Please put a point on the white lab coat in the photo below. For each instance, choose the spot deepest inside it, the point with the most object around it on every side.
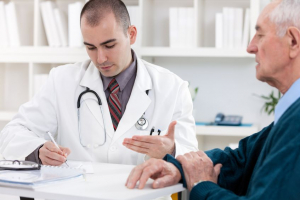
(54, 109)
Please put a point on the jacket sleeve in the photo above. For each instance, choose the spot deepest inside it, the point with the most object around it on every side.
(25, 132)
(34, 156)
(277, 178)
(238, 164)
(185, 132)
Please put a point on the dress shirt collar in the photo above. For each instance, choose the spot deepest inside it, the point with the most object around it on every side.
(124, 76)
(287, 100)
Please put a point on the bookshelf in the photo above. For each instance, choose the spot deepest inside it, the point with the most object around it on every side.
(19, 64)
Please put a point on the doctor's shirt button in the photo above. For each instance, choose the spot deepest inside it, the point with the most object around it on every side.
(89, 146)
(113, 148)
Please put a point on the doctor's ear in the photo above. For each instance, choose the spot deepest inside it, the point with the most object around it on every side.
(132, 33)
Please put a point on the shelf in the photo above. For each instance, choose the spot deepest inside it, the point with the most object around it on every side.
(240, 131)
(69, 55)
(7, 116)
(193, 52)
(42, 55)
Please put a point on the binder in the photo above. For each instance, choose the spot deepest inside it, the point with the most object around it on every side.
(47, 175)
(18, 165)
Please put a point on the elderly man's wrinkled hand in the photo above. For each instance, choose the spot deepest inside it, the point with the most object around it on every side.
(197, 166)
(163, 173)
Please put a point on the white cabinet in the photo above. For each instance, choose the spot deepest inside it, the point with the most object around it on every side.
(19, 65)
(210, 137)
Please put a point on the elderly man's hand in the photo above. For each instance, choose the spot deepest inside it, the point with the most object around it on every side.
(163, 173)
(197, 166)
(153, 146)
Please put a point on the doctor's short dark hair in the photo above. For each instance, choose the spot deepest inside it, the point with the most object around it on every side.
(95, 10)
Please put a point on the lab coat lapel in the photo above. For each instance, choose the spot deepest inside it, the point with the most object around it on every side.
(138, 102)
(92, 80)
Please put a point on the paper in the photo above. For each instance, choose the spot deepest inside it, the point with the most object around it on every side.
(36, 178)
(87, 167)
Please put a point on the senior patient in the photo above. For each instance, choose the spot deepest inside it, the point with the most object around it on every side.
(266, 164)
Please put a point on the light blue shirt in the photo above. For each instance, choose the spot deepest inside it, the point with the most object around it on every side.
(287, 100)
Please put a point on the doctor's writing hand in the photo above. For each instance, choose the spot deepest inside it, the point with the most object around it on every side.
(153, 146)
(163, 173)
(51, 155)
(197, 166)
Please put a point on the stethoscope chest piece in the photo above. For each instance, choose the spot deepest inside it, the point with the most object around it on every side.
(142, 124)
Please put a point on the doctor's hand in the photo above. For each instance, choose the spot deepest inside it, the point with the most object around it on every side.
(163, 173)
(153, 146)
(197, 166)
(51, 155)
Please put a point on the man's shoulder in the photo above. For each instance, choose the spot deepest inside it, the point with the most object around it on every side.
(72, 67)
(292, 114)
(69, 72)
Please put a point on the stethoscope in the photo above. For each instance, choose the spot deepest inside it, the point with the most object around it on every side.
(141, 124)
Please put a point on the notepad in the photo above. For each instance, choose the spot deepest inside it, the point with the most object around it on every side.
(87, 167)
(37, 178)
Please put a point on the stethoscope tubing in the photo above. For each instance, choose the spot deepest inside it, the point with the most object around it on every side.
(138, 125)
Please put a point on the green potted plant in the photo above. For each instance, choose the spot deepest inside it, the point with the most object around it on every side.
(271, 102)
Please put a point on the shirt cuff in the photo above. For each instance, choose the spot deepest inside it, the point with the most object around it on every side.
(34, 156)
(169, 158)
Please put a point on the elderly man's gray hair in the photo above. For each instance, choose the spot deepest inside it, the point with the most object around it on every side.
(285, 15)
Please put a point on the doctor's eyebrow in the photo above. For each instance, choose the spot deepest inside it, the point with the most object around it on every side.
(103, 43)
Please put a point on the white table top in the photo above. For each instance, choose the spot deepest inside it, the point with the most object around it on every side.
(107, 183)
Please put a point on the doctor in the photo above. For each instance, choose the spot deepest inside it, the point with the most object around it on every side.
(129, 90)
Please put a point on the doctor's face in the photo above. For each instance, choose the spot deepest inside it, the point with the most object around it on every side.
(107, 45)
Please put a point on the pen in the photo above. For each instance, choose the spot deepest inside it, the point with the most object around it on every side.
(52, 139)
(152, 130)
(158, 131)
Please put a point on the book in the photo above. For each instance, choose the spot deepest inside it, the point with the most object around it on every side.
(48, 8)
(135, 20)
(38, 82)
(190, 28)
(47, 25)
(62, 26)
(219, 30)
(12, 24)
(182, 26)
(246, 31)
(4, 40)
(173, 27)
(33, 179)
(238, 28)
(75, 37)
(225, 26)
(231, 28)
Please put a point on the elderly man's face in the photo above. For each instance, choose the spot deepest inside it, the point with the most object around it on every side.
(271, 51)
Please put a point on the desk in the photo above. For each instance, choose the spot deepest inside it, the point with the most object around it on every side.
(107, 183)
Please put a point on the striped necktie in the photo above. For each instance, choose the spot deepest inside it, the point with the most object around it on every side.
(114, 104)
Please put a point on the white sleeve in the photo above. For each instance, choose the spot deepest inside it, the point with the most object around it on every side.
(25, 132)
(185, 129)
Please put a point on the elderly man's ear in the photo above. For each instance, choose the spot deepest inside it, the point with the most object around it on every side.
(293, 34)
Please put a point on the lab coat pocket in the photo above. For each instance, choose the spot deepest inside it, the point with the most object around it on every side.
(91, 128)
